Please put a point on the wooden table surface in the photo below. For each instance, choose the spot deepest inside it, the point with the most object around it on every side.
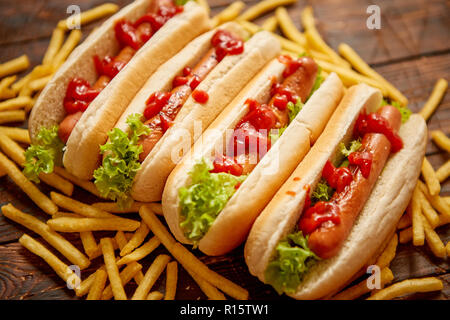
(411, 50)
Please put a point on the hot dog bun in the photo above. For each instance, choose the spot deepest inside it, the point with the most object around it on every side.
(231, 226)
(387, 201)
(222, 84)
(81, 156)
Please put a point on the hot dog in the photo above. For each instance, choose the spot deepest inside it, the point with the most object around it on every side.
(334, 211)
(194, 86)
(215, 193)
(94, 86)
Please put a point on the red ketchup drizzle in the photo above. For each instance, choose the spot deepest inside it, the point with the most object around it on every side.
(227, 165)
(291, 65)
(78, 95)
(320, 213)
(200, 96)
(363, 160)
(337, 178)
(226, 44)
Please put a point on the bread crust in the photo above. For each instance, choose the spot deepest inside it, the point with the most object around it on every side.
(81, 157)
(48, 109)
(387, 201)
(234, 221)
(222, 84)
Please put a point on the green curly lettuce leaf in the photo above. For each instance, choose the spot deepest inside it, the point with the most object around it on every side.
(204, 198)
(354, 146)
(114, 177)
(404, 110)
(322, 192)
(292, 260)
(318, 82)
(43, 155)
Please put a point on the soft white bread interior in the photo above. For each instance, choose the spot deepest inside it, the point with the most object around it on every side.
(234, 221)
(387, 202)
(82, 157)
(48, 109)
(222, 84)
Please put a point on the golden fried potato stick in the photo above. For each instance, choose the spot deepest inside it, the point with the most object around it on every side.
(435, 98)
(406, 220)
(408, 286)
(263, 7)
(441, 140)
(389, 253)
(141, 252)
(81, 208)
(434, 242)
(443, 172)
(85, 184)
(40, 199)
(57, 241)
(205, 5)
(89, 244)
(122, 240)
(126, 275)
(155, 295)
(171, 280)
(361, 288)
(112, 269)
(17, 134)
(88, 16)
(288, 27)
(359, 64)
(270, 24)
(417, 224)
(114, 208)
(436, 201)
(150, 277)
(14, 66)
(39, 84)
(208, 289)
(429, 175)
(10, 116)
(55, 44)
(405, 235)
(136, 240)
(228, 14)
(98, 285)
(92, 224)
(427, 210)
(16, 103)
(187, 259)
(71, 42)
(61, 269)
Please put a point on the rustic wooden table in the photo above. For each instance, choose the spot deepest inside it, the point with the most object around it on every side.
(412, 50)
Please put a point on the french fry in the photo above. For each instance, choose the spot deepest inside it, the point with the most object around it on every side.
(350, 77)
(361, 288)
(54, 239)
(56, 42)
(37, 72)
(187, 259)
(92, 224)
(12, 116)
(270, 24)
(15, 103)
(122, 240)
(443, 172)
(406, 220)
(14, 66)
(141, 252)
(435, 98)
(263, 7)
(433, 240)
(79, 207)
(307, 18)
(389, 253)
(97, 253)
(61, 269)
(436, 201)
(70, 43)
(229, 13)
(429, 175)
(39, 84)
(114, 208)
(136, 240)
(155, 295)
(150, 277)
(16, 134)
(447, 249)
(125, 275)
(408, 286)
(171, 280)
(41, 200)
(85, 184)
(288, 27)
(88, 16)
(16, 153)
(85, 285)
(7, 93)
(417, 224)
(88, 241)
(112, 269)
(441, 140)
(98, 285)
(208, 289)
(359, 64)
(405, 235)
(427, 210)
(65, 215)
(6, 82)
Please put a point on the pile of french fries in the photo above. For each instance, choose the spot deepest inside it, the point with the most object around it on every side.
(135, 240)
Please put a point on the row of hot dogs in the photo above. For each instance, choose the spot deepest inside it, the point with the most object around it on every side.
(239, 142)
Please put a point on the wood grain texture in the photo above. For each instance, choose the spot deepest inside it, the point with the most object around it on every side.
(411, 50)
